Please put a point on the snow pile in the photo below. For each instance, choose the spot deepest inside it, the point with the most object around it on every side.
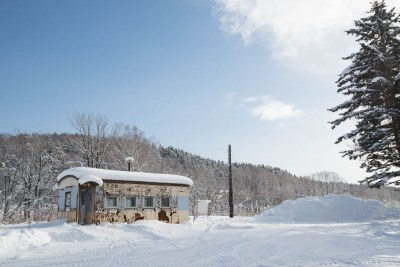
(208, 241)
(18, 240)
(329, 209)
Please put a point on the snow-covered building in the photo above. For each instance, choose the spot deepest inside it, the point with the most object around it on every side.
(88, 195)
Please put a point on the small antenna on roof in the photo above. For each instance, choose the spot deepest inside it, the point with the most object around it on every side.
(129, 160)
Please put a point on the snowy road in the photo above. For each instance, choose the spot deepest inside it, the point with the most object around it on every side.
(207, 242)
(211, 241)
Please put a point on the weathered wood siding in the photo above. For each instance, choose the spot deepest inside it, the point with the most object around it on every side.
(69, 216)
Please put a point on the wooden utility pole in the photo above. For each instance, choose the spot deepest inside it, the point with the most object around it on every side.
(230, 183)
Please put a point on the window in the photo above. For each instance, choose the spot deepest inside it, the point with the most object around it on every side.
(130, 202)
(111, 202)
(83, 197)
(165, 202)
(148, 202)
(67, 200)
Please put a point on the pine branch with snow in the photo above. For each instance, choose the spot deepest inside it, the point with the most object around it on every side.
(372, 84)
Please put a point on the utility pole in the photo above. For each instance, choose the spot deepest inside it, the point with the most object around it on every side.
(230, 182)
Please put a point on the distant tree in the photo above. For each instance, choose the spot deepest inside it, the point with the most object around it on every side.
(129, 141)
(372, 83)
(93, 131)
(28, 166)
(37, 166)
(9, 183)
(329, 179)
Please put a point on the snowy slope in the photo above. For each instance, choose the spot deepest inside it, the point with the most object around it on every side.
(211, 241)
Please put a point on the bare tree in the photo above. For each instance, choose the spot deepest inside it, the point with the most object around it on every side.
(93, 130)
(38, 164)
(328, 178)
(131, 142)
(28, 166)
(8, 191)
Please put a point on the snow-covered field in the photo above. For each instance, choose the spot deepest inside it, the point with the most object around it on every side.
(330, 231)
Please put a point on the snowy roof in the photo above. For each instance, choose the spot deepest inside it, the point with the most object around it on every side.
(102, 174)
(90, 178)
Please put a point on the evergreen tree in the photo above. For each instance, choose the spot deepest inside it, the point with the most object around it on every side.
(372, 82)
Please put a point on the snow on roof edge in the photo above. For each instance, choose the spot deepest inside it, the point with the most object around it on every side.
(104, 174)
(90, 178)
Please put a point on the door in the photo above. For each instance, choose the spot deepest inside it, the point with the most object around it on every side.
(87, 204)
(82, 206)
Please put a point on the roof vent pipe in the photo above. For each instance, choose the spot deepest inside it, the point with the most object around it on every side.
(129, 160)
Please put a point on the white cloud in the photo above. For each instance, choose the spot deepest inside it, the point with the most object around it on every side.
(269, 109)
(307, 34)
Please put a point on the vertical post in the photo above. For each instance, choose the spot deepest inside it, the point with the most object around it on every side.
(5, 190)
(230, 183)
(7, 187)
(5, 199)
(129, 160)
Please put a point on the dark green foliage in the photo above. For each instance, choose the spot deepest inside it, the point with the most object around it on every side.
(372, 83)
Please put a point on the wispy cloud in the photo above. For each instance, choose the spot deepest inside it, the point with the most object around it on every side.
(269, 109)
(307, 34)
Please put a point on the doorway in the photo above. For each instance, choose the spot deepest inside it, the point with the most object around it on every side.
(87, 204)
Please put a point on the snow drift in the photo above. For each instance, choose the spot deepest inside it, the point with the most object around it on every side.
(329, 209)
(18, 240)
(219, 240)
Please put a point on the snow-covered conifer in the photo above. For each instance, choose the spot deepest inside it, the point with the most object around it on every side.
(372, 83)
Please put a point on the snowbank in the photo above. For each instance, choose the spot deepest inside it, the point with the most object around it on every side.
(18, 240)
(329, 209)
(209, 241)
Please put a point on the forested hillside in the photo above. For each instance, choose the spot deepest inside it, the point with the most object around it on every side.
(31, 162)
(258, 187)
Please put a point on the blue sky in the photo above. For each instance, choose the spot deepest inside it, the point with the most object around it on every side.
(197, 75)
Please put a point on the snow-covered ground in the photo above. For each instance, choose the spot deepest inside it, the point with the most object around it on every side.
(330, 231)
